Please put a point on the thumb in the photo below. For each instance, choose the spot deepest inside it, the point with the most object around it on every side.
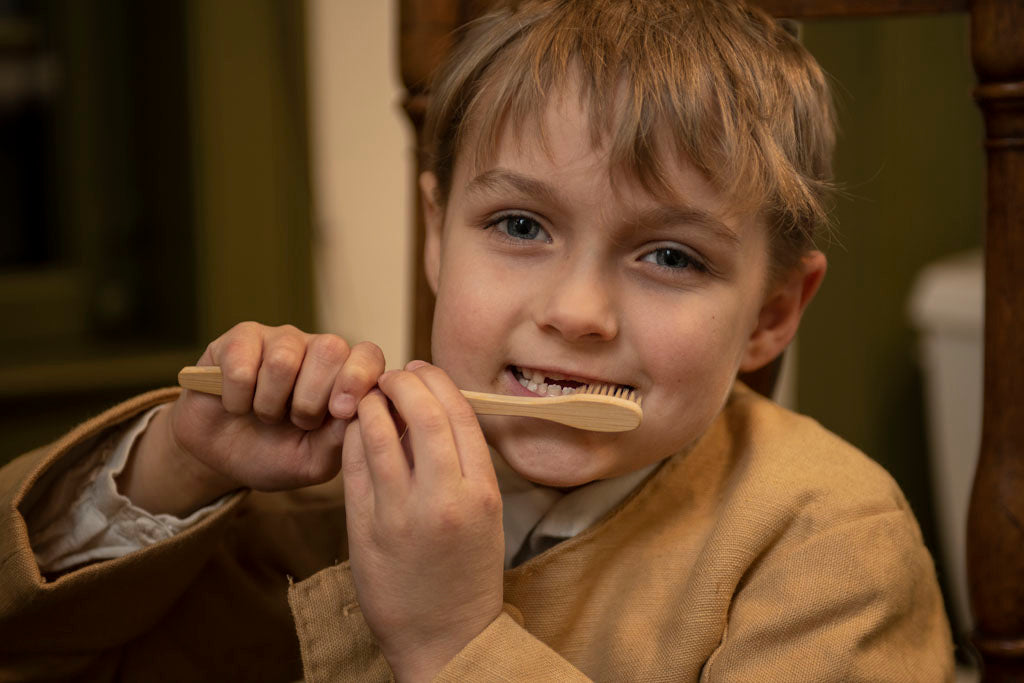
(334, 431)
(325, 444)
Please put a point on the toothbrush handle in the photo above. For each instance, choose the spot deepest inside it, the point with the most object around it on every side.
(203, 378)
(584, 411)
(209, 380)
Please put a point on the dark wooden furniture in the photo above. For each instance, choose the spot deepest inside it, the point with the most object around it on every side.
(996, 521)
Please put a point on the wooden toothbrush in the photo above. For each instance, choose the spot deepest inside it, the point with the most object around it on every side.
(594, 407)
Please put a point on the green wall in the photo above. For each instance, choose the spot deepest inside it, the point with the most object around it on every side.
(910, 161)
(182, 177)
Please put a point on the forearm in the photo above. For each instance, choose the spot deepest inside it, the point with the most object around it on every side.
(50, 622)
(82, 518)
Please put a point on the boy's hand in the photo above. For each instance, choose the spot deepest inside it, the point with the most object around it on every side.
(424, 520)
(279, 424)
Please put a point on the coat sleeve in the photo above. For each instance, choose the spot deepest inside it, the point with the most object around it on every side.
(74, 625)
(506, 651)
(337, 644)
(857, 601)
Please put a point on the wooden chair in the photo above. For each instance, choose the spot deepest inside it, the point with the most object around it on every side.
(995, 552)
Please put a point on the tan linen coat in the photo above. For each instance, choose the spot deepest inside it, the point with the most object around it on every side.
(773, 551)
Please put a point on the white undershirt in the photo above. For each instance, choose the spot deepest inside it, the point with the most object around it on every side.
(537, 517)
(85, 519)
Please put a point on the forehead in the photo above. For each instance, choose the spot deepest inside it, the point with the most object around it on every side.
(561, 150)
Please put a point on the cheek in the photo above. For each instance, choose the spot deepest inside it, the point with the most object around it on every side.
(695, 346)
(470, 325)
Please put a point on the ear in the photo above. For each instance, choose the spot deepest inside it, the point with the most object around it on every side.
(433, 218)
(781, 311)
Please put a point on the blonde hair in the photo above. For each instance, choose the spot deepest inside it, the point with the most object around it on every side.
(722, 83)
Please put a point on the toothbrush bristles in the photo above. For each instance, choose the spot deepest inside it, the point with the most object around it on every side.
(623, 392)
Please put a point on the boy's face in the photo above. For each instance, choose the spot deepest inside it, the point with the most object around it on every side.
(547, 266)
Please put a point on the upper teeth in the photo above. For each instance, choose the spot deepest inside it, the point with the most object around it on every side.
(536, 382)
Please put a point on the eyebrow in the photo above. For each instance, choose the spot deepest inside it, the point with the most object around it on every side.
(685, 214)
(503, 180)
(666, 216)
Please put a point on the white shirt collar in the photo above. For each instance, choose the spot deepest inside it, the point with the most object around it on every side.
(537, 517)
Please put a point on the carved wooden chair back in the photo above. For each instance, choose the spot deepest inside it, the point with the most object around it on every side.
(996, 522)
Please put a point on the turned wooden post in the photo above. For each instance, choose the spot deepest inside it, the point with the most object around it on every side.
(995, 538)
(424, 37)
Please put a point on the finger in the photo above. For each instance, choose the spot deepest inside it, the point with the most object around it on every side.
(474, 455)
(325, 450)
(435, 460)
(382, 451)
(237, 352)
(356, 474)
(358, 375)
(325, 355)
(283, 353)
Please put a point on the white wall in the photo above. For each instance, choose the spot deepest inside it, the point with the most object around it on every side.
(361, 174)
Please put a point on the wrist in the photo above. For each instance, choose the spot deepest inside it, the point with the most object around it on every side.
(420, 666)
(423, 661)
(161, 477)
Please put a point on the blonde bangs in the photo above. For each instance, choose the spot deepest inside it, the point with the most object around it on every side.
(716, 83)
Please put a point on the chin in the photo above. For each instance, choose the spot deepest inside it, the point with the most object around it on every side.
(553, 455)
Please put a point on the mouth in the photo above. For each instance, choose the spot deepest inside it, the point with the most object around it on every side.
(548, 383)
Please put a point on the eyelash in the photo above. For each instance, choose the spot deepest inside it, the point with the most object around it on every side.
(513, 239)
(690, 261)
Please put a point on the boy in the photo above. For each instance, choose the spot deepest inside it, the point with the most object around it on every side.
(621, 192)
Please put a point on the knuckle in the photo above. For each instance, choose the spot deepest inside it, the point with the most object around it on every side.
(393, 526)
(356, 377)
(489, 502)
(432, 420)
(306, 410)
(371, 352)
(328, 348)
(238, 409)
(377, 434)
(424, 368)
(462, 414)
(247, 327)
(375, 439)
(282, 359)
(232, 347)
(241, 333)
(321, 469)
(239, 374)
(353, 466)
(237, 399)
(448, 517)
(265, 414)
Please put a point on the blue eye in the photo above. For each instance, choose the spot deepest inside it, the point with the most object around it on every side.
(521, 228)
(674, 259)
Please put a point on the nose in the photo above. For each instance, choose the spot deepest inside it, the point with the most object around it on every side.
(579, 304)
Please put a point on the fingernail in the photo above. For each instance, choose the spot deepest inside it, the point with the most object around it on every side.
(344, 405)
(415, 364)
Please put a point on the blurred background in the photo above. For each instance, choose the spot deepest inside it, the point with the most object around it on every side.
(170, 168)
